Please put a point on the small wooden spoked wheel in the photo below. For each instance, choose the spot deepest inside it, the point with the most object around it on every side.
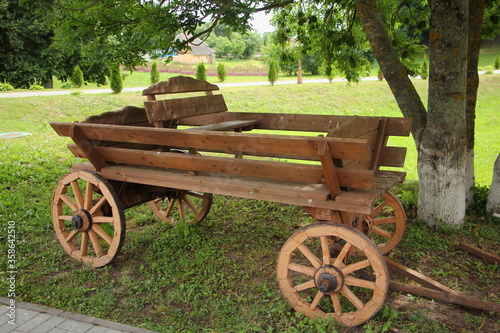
(88, 218)
(332, 270)
(182, 205)
(388, 222)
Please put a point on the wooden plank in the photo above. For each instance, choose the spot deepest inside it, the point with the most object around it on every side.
(329, 170)
(275, 191)
(228, 125)
(417, 277)
(380, 142)
(296, 172)
(302, 146)
(179, 84)
(299, 122)
(392, 157)
(173, 109)
(355, 127)
(86, 147)
(445, 296)
(490, 257)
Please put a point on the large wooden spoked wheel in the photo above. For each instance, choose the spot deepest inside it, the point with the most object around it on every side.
(388, 222)
(88, 218)
(332, 270)
(190, 206)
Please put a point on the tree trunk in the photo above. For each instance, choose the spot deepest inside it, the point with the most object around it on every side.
(493, 203)
(476, 14)
(394, 72)
(443, 148)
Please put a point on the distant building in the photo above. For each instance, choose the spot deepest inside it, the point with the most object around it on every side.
(199, 52)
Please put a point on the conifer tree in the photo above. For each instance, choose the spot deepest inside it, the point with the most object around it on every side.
(272, 75)
(221, 72)
(201, 72)
(77, 77)
(115, 78)
(155, 73)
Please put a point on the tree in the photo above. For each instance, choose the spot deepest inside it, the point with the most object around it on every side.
(26, 53)
(155, 73)
(129, 28)
(201, 72)
(115, 78)
(77, 77)
(221, 72)
(272, 75)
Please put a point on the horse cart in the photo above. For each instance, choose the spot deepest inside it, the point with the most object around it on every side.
(176, 153)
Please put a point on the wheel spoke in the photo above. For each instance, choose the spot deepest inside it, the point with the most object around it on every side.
(171, 204)
(78, 194)
(88, 196)
(316, 300)
(68, 201)
(354, 267)
(85, 244)
(180, 207)
(325, 250)
(342, 255)
(191, 205)
(352, 281)
(337, 307)
(97, 206)
(65, 217)
(379, 208)
(309, 255)
(384, 220)
(96, 244)
(381, 232)
(103, 219)
(101, 232)
(347, 293)
(306, 285)
(301, 269)
(195, 194)
(72, 235)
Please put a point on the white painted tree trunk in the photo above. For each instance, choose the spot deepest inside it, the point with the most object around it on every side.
(443, 145)
(493, 203)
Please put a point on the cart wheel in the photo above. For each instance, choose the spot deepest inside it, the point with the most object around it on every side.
(88, 218)
(322, 275)
(388, 223)
(181, 204)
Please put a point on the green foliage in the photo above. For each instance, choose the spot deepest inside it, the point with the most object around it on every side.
(424, 72)
(77, 77)
(488, 70)
(221, 72)
(6, 86)
(497, 63)
(155, 73)
(201, 72)
(115, 78)
(35, 86)
(273, 73)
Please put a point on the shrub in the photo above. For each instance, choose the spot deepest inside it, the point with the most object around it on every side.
(488, 70)
(497, 63)
(6, 86)
(424, 72)
(35, 86)
(201, 72)
(272, 75)
(115, 78)
(221, 72)
(155, 73)
(380, 74)
(77, 77)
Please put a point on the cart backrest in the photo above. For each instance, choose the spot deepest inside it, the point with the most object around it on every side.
(166, 112)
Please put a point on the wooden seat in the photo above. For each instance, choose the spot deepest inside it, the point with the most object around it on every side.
(167, 112)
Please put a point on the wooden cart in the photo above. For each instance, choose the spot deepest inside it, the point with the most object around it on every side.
(175, 153)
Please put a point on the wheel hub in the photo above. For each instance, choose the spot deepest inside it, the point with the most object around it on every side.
(329, 279)
(81, 220)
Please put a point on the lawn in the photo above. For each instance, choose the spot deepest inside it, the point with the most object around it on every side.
(219, 276)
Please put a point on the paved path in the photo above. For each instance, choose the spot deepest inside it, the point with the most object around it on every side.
(39, 319)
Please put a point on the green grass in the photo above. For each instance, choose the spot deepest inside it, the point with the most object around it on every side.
(219, 276)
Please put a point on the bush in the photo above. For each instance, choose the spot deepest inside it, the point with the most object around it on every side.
(221, 72)
(380, 74)
(488, 70)
(6, 86)
(115, 78)
(35, 86)
(77, 77)
(272, 75)
(424, 72)
(201, 72)
(497, 63)
(155, 73)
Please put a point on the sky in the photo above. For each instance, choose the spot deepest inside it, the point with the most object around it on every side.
(260, 22)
